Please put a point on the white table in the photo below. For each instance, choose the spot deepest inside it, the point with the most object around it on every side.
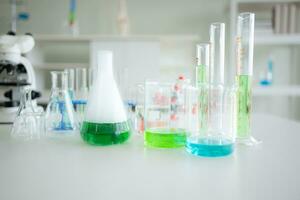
(66, 168)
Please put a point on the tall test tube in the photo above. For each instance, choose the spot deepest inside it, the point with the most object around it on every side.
(217, 41)
(202, 77)
(202, 69)
(216, 75)
(244, 64)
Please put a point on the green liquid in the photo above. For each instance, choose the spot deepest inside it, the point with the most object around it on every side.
(105, 133)
(165, 138)
(244, 105)
(201, 75)
(201, 81)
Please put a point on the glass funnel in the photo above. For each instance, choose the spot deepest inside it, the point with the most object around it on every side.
(105, 120)
(60, 114)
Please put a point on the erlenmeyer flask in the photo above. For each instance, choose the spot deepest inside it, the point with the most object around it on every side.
(60, 114)
(30, 120)
(105, 121)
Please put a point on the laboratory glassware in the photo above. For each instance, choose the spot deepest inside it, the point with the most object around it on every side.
(105, 120)
(202, 68)
(216, 73)
(139, 109)
(217, 42)
(244, 55)
(266, 75)
(215, 141)
(164, 114)
(81, 93)
(30, 121)
(91, 77)
(60, 115)
(71, 82)
(202, 78)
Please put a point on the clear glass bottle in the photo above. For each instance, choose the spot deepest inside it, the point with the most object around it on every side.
(60, 114)
(105, 120)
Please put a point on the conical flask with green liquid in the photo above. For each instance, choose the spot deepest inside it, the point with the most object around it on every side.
(105, 121)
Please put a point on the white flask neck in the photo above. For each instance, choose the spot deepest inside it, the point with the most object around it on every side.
(105, 63)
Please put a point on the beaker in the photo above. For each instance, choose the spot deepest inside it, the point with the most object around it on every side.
(164, 114)
(60, 114)
(214, 141)
(30, 120)
(105, 120)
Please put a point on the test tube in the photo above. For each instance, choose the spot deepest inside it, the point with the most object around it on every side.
(81, 79)
(81, 93)
(217, 41)
(216, 75)
(244, 55)
(91, 74)
(71, 81)
(202, 68)
(202, 75)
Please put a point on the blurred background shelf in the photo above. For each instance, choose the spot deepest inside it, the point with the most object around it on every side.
(287, 90)
(278, 39)
(89, 38)
(60, 66)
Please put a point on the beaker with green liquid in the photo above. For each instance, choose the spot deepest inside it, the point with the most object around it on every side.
(165, 123)
(105, 121)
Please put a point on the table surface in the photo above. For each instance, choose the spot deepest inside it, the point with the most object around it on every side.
(66, 168)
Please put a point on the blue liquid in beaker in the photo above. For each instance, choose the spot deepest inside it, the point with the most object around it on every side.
(209, 147)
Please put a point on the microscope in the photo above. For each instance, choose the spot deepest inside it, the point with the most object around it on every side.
(16, 73)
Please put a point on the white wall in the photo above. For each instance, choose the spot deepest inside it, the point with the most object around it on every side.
(158, 17)
(99, 16)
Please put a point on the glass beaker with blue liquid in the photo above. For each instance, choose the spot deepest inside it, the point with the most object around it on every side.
(212, 140)
(60, 114)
